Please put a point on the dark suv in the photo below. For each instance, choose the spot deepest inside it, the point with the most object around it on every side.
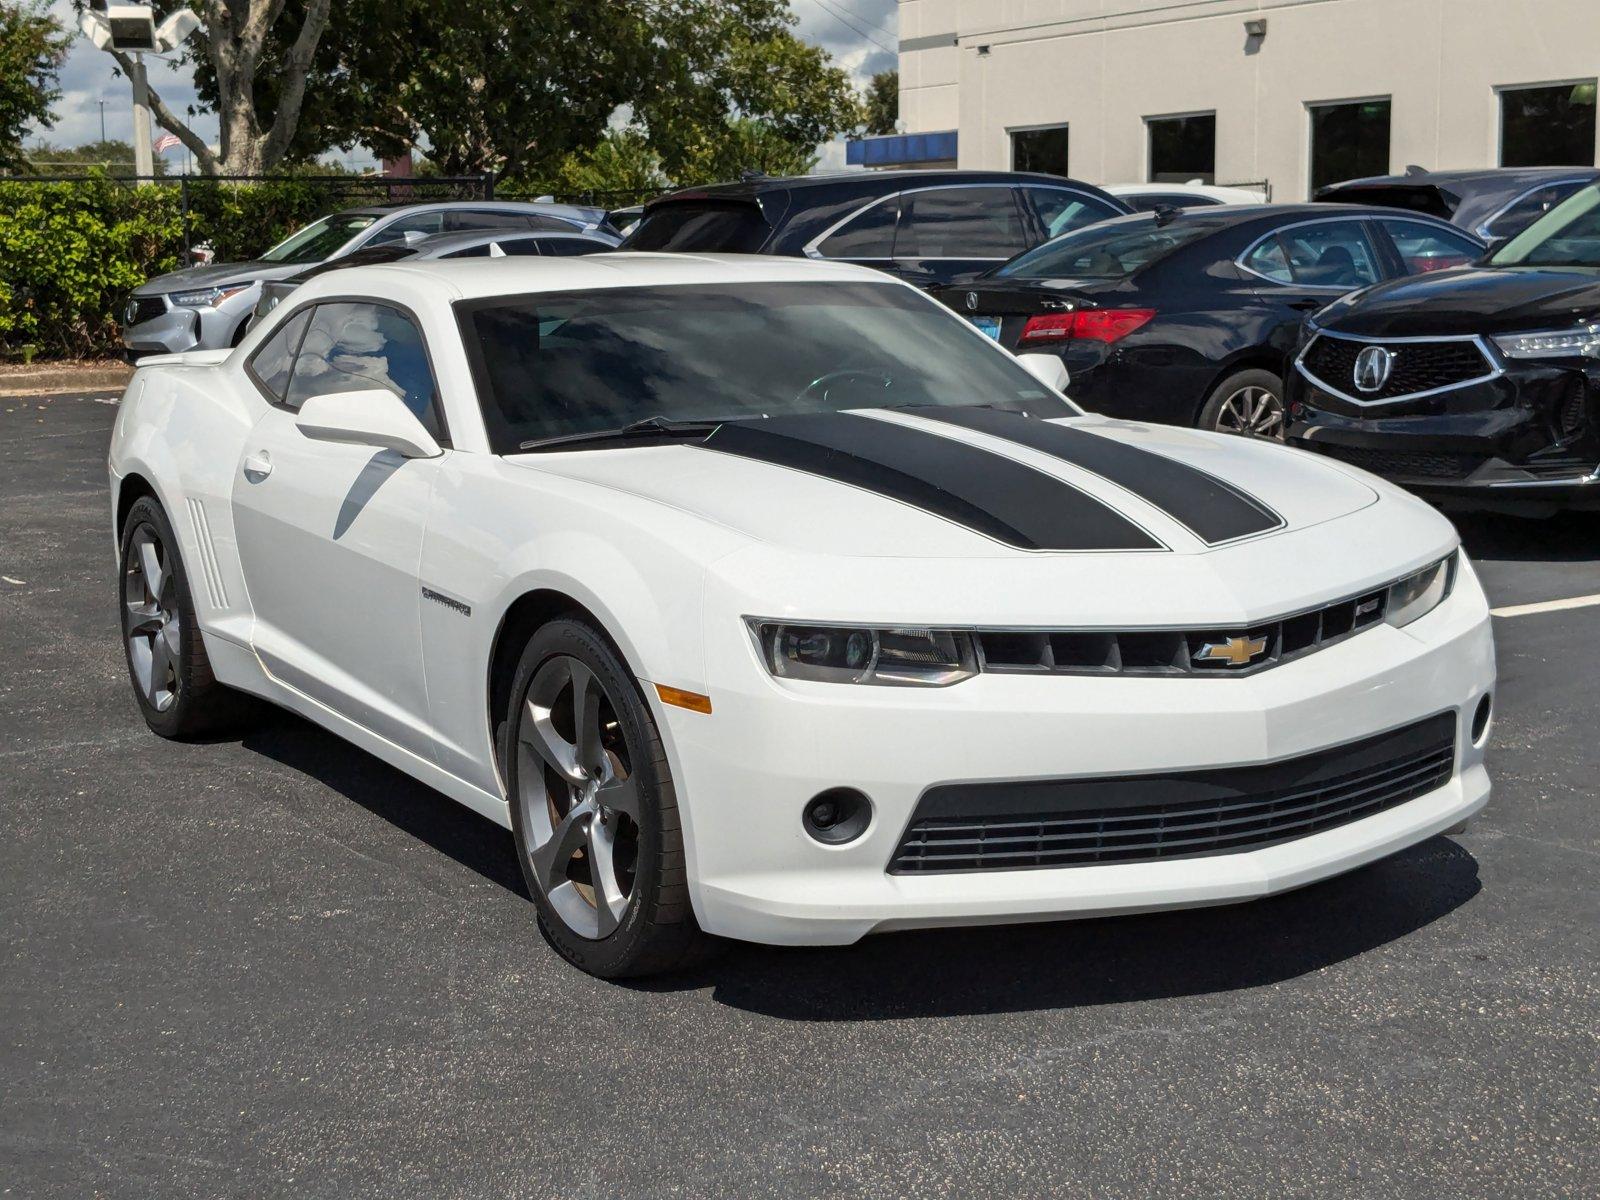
(1477, 385)
(927, 227)
(1495, 203)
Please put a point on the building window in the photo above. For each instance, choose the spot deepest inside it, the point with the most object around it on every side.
(1550, 126)
(1349, 141)
(1183, 149)
(1042, 150)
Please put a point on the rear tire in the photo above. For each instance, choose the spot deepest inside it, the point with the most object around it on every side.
(177, 693)
(593, 809)
(1248, 403)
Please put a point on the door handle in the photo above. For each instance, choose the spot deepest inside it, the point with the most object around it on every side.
(258, 466)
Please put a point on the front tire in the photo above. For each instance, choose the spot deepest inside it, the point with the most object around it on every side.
(1247, 403)
(177, 693)
(593, 809)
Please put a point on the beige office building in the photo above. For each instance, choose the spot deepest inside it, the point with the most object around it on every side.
(1295, 93)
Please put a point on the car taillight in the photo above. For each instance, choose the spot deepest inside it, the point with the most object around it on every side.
(1091, 324)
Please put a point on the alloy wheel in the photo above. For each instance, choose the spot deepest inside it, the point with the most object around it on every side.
(152, 621)
(1252, 412)
(578, 797)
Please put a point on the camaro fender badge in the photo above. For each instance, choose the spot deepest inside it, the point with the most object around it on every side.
(1373, 367)
(1236, 651)
(449, 602)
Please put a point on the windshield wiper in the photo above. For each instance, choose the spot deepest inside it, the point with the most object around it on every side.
(657, 426)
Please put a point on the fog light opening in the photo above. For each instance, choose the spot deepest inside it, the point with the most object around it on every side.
(1480, 720)
(837, 816)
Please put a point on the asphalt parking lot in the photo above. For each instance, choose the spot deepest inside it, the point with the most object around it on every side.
(270, 965)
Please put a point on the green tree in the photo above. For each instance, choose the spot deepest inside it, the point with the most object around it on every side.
(621, 162)
(113, 157)
(881, 105)
(32, 46)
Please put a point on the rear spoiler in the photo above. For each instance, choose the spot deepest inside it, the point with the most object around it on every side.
(188, 358)
(1427, 198)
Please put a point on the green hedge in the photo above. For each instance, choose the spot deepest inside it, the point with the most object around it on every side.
(70, 253)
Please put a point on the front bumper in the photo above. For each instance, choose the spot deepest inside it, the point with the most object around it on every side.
(178, 329)
(746, 772)
(1527, 439)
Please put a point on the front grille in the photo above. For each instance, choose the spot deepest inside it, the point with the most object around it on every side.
(1417, 366)
(1178, 651)
(145, 308)
(1150, 818)
(1404, 464)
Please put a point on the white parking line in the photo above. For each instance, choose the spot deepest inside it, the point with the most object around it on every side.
(1526, 610)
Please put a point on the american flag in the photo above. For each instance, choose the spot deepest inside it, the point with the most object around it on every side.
(165, 142)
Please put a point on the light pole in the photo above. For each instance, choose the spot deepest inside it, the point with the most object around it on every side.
(132, 29)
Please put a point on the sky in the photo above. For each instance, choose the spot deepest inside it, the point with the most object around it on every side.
(860, 34)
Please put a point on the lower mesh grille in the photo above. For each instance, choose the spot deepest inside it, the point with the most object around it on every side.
(1147, 818)
(1405, 463)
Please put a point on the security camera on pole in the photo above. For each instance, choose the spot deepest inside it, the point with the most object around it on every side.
(132, 29)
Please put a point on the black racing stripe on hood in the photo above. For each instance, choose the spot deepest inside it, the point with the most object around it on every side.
(1214, 509)
(986, 492)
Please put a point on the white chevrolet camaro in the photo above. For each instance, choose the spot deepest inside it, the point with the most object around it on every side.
(770, 599)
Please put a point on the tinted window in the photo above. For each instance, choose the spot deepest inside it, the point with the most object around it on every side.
(1349, 141)
(482, 218)
(270, 365)
(1102, 251)
(1183, 149)
(555, 247)
(1062, 212)
(1427, 247)
(572, 362)
(1330, 254)
(1568, 235)
(870, 235)
(968, 222)
(356, 347)
(424, 223)
(711, 225)
(1548, 126)
(470, 252)
(527, 247)
(1042, 150)
(1529, 207)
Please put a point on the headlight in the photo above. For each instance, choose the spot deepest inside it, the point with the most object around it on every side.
(892, 656)
(209, 298)
(1418, 595)
(1557, 343)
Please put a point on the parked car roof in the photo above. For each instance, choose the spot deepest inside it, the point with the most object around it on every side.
(586, 214)
(1472, 199)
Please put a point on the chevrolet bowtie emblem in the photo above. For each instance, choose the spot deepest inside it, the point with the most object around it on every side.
(1236, 652)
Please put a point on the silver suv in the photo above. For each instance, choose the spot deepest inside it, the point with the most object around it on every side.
(209, 307)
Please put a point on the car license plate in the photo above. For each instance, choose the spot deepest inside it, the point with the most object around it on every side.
(988, 325)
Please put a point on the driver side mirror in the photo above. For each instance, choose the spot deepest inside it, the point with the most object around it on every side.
(376, 417)
(413, 237)
(1047, 369)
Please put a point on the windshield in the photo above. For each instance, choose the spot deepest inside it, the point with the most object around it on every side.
(565, 363)
(1107, 251)
(1566, 236)
(318, 239)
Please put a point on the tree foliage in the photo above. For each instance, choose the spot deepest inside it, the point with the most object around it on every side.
(32, 46)
(880, 109)
(113, 157)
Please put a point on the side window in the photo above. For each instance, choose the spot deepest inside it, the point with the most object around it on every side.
(423, 223)
(353, 347)
(470, 252)
(1331, 254)
(1427, 247)
(965, 222)
(1529, 207)
(560, 247)
(1269, 259)
(270, 365)
(1061, 211)
(485, 218)
(869, 235)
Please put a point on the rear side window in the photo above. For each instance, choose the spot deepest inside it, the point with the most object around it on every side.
(869, 235)
(713, 226)
(485, 218)
(470, 252)
(1062, 211)
(1103, 251)
(1269, 259)
(1329, 254)
(354, 347)
(967, 222)
(555, 247)
(1425, 248)
(270, 365)
(1529, 207)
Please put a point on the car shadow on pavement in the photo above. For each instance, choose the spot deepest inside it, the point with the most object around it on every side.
(1565, 537)
(931, 973)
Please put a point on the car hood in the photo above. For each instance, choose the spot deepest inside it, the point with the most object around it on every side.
(1484, 300)
(976, 483)
(215, 275)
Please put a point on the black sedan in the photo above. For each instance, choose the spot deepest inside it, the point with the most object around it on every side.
(1190, 317)
(1478, 386)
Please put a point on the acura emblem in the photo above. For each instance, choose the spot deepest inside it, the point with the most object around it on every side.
(1236, 651)
(1373, 365)
(972, 301)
